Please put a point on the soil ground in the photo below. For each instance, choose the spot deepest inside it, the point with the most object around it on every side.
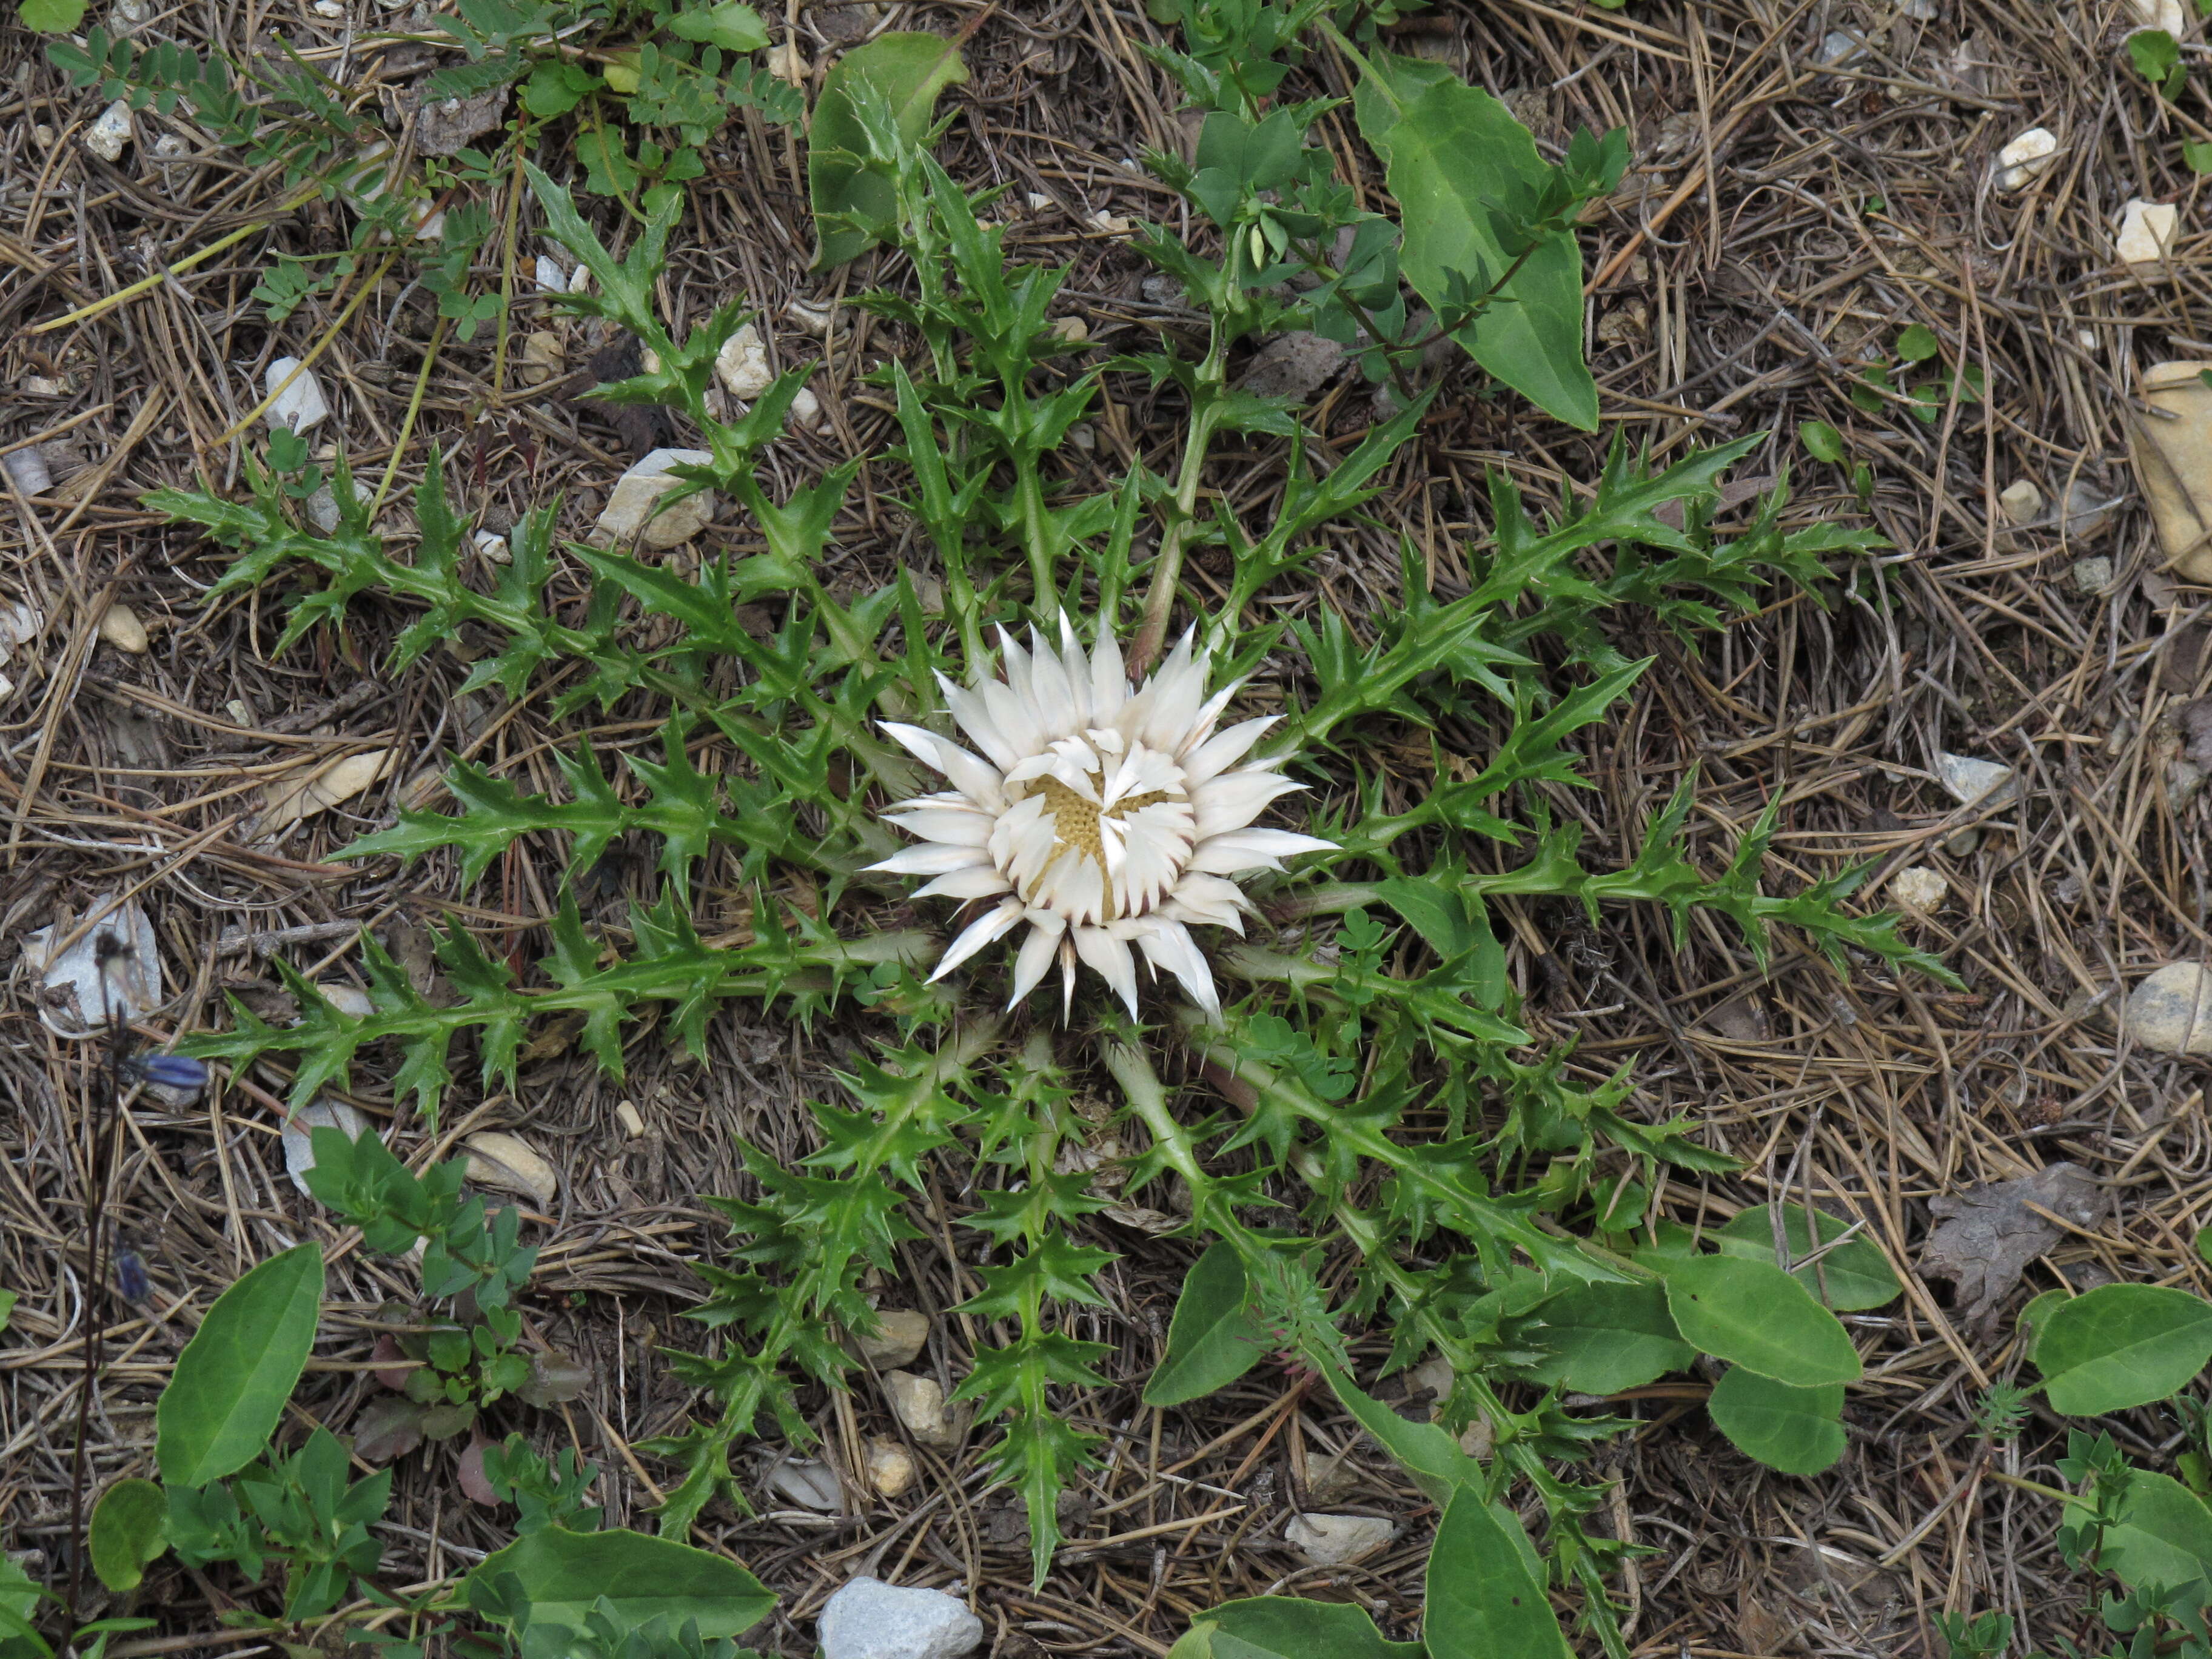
(1785, 219)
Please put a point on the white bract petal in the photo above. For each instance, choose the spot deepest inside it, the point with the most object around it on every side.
(1103, 818)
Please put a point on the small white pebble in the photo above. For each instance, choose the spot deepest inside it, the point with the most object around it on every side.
(1113, 224)
(806, 411)
(809, 316)
(329, 9)
(2019, 163)
(106, 137)
(171, 147)
(300, 405)
(551, 279)
(2021, 500)
(742, 364)
(2146, 230)
(1039, 201)
(120, 627)
(1919, 888)
(37, 385)
(26, 471)
(493, 547)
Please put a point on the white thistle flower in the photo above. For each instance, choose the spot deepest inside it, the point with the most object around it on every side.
(1102, 818)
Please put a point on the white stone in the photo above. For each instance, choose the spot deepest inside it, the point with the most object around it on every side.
(1838, 48)
(1331, 1541)
(106, 137)
(891, 1469)
(919, 1404)
(79, 989)
(807, 413)
(39, 386)
(2021, 500)
(742, 364)
(330, 9)
(867, 1619)
(171, 147)
(323, 507)
(348, 1000)
(1918, 888)
(541, 356)
(786, 63)
(2171, 1010)
(20, 624)
(1434, 1374)
(1112, 224)
(812, 317)
(299, 1136)
(493, 547)
(2146, 232)
(639, 491)
(807, 1483)
(300, 405)
(27, 471)
(551, 279)
(2022, 162)
(1975, 782)
(120, 627)
(2171, 16)
(1039, 201)
(511, 1164)
(896, 1340)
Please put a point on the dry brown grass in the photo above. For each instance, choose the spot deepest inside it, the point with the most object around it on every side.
(1740, 278)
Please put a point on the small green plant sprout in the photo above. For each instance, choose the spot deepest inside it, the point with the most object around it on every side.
(450, 1367)
(1101, 818)
(2157, 57)
(1882, 385)
(1822, 441)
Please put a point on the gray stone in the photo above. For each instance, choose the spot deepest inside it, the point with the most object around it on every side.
(806, 1482)
(867, 1619)
(2093, 576)
(2171, 1010)
(1975, 782)
(1331, 1541)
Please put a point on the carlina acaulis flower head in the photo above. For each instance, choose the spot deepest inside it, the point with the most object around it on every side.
(1097, 817)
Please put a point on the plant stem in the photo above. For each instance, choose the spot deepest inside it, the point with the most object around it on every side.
(1167, 567)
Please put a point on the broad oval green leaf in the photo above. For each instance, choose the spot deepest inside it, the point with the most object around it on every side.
(52, 16)
(1822, 442)
(732, 25)
(1754, 1315)
(1797, 1430)
(130, 1528)
(228, 1393)
(1212, 1341)
(1453, 150)
(2163, 1534)
(1854, 1275)
(853, 202)
(563, 1574)
(1290, 1627)
(1604, 1338)
(2120, 1345)
(1486, 1587)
